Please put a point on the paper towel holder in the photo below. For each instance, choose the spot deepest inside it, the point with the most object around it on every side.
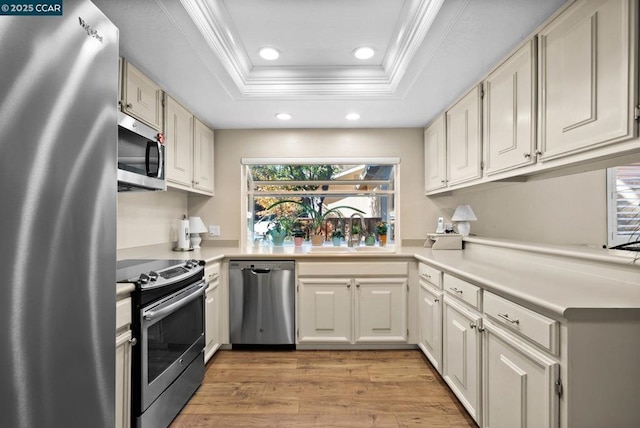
(183, 244)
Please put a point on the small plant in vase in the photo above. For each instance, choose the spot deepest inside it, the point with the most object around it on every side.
(381, 228)
(277, 232)
(298, 234)
(336, 237)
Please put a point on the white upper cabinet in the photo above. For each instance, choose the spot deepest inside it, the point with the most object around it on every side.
(189, 150)
(142, 98)
(509, 112)
(464, 139)
(203, 159)
(179, 142)
(435, 155)
(587, 77)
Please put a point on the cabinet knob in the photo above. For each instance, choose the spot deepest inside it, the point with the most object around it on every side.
(526, 155)
(436, 300)
(129, 105)
(472, 325)
(537, 152)
(442, 181)
(133, 341)
(357, 285)
(349, 285)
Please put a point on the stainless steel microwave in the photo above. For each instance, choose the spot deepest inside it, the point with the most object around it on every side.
(140, 156)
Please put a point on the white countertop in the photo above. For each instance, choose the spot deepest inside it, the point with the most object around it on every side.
(557, 280)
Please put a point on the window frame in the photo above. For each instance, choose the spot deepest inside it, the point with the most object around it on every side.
(247, 162)
(613, 238)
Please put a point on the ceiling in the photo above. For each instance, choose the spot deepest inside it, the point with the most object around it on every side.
(204, 53)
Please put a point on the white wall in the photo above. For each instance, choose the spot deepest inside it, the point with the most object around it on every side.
(233, 145)
(562, 210)
(148, 218)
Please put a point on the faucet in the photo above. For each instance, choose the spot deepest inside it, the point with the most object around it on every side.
(350, 240)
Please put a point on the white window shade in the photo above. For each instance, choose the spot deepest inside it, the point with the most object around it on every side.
(624, 204)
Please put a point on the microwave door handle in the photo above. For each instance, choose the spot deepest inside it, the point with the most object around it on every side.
(160, 159)
(158, 147)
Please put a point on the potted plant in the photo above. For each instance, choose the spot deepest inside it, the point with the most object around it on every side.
(381, 228)
(316, 216)
(277, 232)
(336, 237)
(370, 240)
(298, 234)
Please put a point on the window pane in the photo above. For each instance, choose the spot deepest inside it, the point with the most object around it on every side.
(322, 198)
(625, 204)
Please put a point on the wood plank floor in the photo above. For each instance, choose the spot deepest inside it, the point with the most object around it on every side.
(322, 389)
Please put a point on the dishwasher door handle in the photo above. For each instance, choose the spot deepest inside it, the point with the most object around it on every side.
(260, 271)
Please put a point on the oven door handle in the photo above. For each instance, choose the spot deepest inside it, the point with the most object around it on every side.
(171, 307)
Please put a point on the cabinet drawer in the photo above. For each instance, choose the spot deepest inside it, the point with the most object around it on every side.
(123, 313)
(365, 269)
(533, 326)
(211, 272)
(463, 290)
(432, 275)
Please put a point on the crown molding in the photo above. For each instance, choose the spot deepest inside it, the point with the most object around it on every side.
(214, 23)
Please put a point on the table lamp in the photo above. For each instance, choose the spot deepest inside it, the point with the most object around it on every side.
(196, 227)
(463, 215)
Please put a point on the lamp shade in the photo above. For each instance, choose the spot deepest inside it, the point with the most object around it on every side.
(196, 225)
(464, 213)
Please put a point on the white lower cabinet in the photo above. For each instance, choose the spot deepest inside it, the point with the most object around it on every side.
(124, 343)
(212, 311)
(430, 318)
(325, 313)
(352, 303)
(349, 310)
(381, 310)
(123, 379)
(518, 383)
(461, 362)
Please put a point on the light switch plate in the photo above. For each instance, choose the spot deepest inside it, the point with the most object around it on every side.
(214, 230)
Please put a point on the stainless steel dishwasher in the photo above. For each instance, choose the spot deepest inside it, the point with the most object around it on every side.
(261, 302)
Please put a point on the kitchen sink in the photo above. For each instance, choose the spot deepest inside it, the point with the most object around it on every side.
(329, 250)
(371, 249)
(348, 250)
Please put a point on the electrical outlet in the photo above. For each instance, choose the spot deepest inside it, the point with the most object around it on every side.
(214, 230)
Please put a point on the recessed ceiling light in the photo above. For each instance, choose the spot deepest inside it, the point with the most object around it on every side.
(353, 116)
(283, 116)
(364, 52)
(269, 54)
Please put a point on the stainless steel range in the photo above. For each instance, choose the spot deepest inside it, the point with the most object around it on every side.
(168, 321)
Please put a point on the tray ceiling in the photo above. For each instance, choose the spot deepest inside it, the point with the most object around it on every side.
(204, 53)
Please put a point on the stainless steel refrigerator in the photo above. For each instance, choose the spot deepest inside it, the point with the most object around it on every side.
(58, 140)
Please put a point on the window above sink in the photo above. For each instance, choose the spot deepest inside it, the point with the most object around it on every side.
(366, 184)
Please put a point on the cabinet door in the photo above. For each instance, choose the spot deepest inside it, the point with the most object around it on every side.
(435, 155)
(587, 74)
(518, 383)
(381, 310)
(464, 139)
(212, 319)
(123, 380)
(430, 316)
(324, 312)
(461, 355)
(142, 97)
(203, 158)
(509, 127)
(178, 142)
